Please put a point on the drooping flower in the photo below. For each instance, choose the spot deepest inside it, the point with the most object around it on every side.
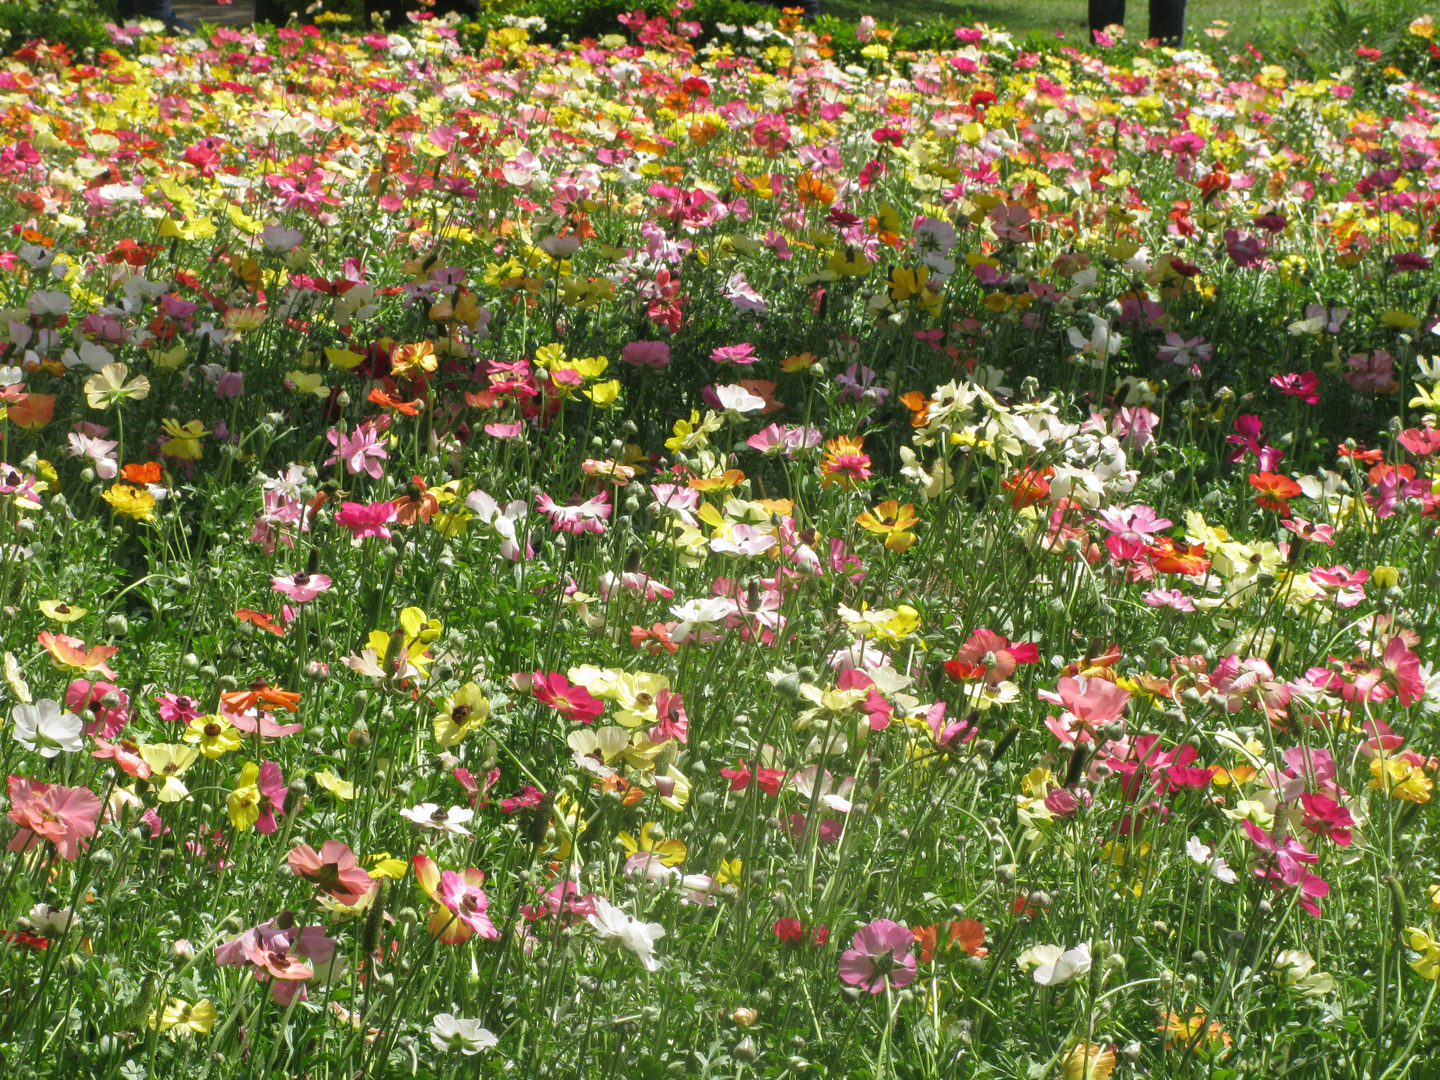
(45, 728)
(333, 868)
(612, 925)
(449, 1033)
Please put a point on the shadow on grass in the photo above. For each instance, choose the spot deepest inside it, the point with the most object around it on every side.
(1017, 17)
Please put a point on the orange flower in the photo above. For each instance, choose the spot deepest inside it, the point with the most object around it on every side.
(260, 619)
(1274, 489)
(71, 652)
(241, 701)
(919, 405)
(724, 482)
(966, 935)
(418, 357)
(844, 462)
(1192, 1034)
(148, 473)
(33, 411)
(1171, 559)
(391, 403)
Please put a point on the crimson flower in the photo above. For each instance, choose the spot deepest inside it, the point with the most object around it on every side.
(1303, 385)
(573, 702)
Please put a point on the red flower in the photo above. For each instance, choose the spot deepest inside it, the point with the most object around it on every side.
(1274, 490)
(573, 702)
(987, 655)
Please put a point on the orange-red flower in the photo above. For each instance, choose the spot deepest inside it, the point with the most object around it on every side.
(260, 619)
(1275, 489)
(71, 652)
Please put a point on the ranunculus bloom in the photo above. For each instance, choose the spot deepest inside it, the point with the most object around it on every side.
(333, 868)
(62, 815)
(879, 956)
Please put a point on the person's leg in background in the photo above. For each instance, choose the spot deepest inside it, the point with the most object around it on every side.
(1167, 21)
(1105, 13)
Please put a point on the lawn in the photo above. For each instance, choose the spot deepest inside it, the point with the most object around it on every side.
(1065, 17)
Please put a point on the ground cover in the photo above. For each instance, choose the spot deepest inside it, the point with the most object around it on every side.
(717, 552)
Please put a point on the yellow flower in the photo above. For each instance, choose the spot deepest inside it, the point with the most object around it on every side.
(183, 442)
(181, 1018)
(244, 802)
(418, 356)
(604, 394)
(307, 382)
(1087, 1061)
(60, 611)
(1428, 965)
(465, 710)
(108, 386)
(168, 762)
(652, 840)
(341, 789)
(884, 625)
(416, 633)
(891, 520)
(730, 872)
(387, 866)
(1386, 577)
(692, 433)
(137, 502)
(1401, 779)
(214, 735)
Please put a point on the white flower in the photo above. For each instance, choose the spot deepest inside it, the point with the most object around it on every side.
(1053, 967)
(53, 920)
(738, 400)
(1214, 865)
(429, 815)
(449, 1033)
(44, 727)
(612, 924)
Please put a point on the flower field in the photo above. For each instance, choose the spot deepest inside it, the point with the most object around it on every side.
(696, 555)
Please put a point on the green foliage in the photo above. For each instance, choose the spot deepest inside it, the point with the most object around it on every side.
(72, 23)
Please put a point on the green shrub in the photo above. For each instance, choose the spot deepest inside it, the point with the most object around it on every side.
(77, 26)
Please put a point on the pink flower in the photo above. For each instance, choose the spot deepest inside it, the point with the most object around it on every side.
(1089, 704)
(1173, 599)
(586, 517)
(301, 587)
(879, 957)
(362, 450)
(177, 708)
(462, 896)
(85, 695)
(333, 868)
(273, 792)
(1420, 441)
(363, 520)
(1308, 530)
(1250, 682)
(1348, 589)
(674, 723)
(62, 815)
(1304, 386)
(573, 702)
(651, 354)
(1325, 816)
(744, 353)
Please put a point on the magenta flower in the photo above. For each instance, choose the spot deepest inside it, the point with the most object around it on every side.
(467, 901)
(879, 957)
(177, 708)
(363, 520)
(301, 587)
(744, 353)
(1303, 385)
(88, 696)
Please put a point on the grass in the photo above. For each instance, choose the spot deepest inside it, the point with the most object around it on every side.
(1065, 18)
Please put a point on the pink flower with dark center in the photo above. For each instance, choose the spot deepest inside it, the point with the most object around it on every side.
(88, 697)
(177, 708)
(466, 900)
(1309, 530)
(1304, 385)
(362, 450)
(1420, 441)
(301, 587)
(674, 723)
(744, 353)
(879, 957)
